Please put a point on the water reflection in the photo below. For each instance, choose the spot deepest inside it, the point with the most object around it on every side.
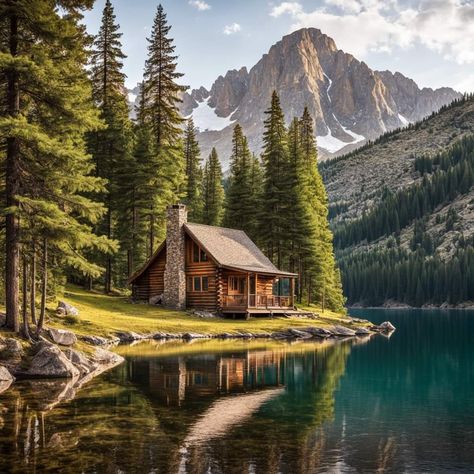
(243, 410)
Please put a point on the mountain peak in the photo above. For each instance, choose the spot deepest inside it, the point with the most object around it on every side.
(350, 102)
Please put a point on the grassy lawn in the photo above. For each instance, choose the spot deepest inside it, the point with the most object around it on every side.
(104, 315)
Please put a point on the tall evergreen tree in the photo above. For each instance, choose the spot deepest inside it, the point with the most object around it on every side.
(42, 128)
(275, 161)
(239, 199)
(213, 191)
(161, 93)
(111, 146)
(192, 156)
(327, 287)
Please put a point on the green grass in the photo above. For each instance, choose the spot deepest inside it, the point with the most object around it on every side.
(104, 315)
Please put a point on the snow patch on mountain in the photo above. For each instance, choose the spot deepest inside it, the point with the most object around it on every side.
(205, 118)
(404, 121)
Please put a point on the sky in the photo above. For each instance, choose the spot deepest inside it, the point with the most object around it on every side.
(430, 41)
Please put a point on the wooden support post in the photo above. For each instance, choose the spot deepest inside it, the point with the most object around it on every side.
(256, 290)
(292, 292)
(248, 290)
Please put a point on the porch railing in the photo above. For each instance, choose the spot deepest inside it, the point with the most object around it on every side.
(257, 301)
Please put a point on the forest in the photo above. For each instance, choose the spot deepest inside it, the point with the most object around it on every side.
(86, 188)
(418, 274)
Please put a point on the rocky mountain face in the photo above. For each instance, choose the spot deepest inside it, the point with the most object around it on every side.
(350, 102)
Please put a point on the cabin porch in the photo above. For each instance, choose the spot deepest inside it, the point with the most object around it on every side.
(254, 293)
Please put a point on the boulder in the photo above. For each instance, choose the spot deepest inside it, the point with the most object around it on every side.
(6, 379)
(298, 334)
(342, 331)
(157, 299)
(67, 309)
(193, 335)
(12, 346)
(318, 332)
(387, 326)
(62, 337)
(80, 361)
(104, 357)
(129, 336)
(360, 331)
(49, 361)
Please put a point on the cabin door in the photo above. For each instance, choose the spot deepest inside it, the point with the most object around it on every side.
(237, 285)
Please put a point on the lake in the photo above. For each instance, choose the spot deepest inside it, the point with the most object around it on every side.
(404, 403)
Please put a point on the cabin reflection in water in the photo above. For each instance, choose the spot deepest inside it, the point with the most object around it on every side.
(175, 379)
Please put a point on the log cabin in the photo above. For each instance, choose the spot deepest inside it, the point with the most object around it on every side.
(215, 269)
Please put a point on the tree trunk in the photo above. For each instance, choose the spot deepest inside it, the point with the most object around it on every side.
(152, 233)
(12, 178)
(33, 285)
(44, 288)
(108, 267)
(24, 309)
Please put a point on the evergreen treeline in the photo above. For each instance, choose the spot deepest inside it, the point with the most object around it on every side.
(415, 278)
(450, 174)
(418, 274)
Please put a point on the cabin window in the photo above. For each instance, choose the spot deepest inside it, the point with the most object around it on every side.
(236, 285)
(198, 283)
(198, 254)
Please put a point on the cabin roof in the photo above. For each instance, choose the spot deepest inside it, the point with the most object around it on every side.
(229, 248)
(232, 248)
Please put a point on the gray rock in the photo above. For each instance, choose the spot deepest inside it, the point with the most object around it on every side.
(318, 332)
(300, 334)
(204, 314)
(360, 331)
(67, 309)
(49, 361)
(193, 335)
(342, 331)
(129, 336)
(387, 326)
(12, 346)
(157, 299)
(105, 357)
(62, 337)
(80, 361)
(95, 340)
(6, 379)
(5, 375)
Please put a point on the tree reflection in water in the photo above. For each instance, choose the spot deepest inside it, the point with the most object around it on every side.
(242, 410)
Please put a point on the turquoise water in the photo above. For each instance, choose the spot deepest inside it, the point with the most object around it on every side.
(398, 404)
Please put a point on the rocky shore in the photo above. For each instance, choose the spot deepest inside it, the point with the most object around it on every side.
(52, 357)
(311, 332)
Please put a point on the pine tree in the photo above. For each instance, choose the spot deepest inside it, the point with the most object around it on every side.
(213, 191)
(327, 279)
(193, 173)
(161, 93)
(273, 222)
(239, 199)
(111, 146)
(47, 115)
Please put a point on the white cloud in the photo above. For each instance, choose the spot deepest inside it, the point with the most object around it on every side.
(466, 84)
(362, 26)
(232, 29)
(293, 8)
(200, 5)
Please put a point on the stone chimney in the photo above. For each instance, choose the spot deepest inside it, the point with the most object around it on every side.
(174, 295)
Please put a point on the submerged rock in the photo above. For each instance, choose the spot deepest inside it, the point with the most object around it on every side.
(387, 326)
(62, 337)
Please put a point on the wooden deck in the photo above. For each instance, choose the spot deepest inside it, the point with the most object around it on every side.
(257, 304)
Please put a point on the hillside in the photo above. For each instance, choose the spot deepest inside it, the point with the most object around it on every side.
(406, 204)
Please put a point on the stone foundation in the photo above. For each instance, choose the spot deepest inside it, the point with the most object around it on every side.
(174, 295)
